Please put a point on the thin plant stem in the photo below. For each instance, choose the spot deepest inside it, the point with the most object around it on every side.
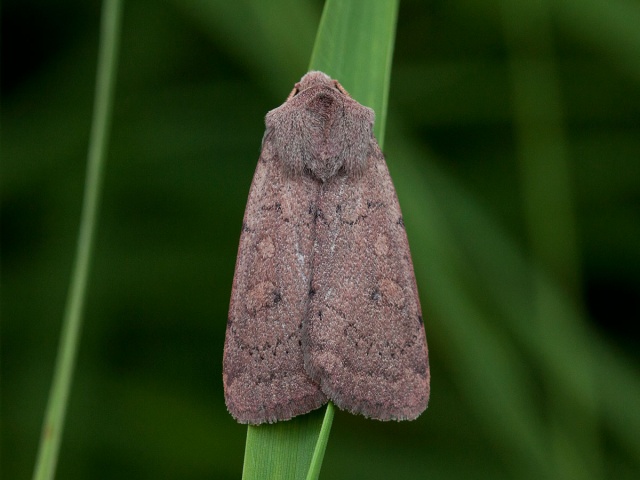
(321, 445)
(53, 426)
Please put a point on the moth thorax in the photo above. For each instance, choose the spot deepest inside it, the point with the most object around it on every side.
(320, 134)
(323, 132)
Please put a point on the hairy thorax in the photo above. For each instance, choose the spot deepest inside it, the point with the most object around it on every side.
(320, 130)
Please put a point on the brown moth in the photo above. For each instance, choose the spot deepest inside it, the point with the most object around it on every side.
(324, 303)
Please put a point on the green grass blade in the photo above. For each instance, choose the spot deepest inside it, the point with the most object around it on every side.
(51, 435)
(354, 45)
(287, 449)
(321, 444)
(282, 450)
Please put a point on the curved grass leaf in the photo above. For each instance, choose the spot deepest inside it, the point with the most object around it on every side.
(354, 44)
(51, 435)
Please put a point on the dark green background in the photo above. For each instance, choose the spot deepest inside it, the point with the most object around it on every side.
(195, 80)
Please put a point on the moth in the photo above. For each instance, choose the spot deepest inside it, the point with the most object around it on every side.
(324, 304)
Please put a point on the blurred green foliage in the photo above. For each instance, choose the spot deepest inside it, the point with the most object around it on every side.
(534, 355)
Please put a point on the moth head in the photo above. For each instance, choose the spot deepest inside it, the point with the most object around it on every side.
(315, 79)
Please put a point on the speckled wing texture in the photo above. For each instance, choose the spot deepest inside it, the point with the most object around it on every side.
(263, 371)
(364, 338)
(324, 303)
